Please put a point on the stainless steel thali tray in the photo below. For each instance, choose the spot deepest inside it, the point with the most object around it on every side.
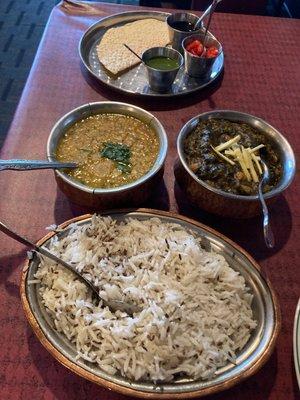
(251, 358)
(134, 82)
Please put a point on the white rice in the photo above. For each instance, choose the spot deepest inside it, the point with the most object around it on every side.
(196, 310)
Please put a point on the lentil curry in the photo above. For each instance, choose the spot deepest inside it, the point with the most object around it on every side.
(226, 155)
(111, 150)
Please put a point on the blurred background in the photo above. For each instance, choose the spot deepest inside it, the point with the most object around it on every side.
(22, 23)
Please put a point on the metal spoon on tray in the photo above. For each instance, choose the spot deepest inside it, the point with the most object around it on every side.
(113, 305)
(28, 165)
(133, 52)
(268, 234)
(211, 11)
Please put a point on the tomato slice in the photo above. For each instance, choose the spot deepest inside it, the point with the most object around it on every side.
(193, 51)
(212, 52)
(195, 47)
(189, 46)
(195, 43)
(199, 49)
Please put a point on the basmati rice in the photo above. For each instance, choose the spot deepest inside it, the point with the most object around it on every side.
(196, 310)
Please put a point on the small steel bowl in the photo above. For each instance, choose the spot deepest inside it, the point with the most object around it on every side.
(161, 80)
(176, 36)
(198, 66)
(223, 203)
(131, 194)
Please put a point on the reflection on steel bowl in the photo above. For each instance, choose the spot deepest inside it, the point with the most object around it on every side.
(219, 162)
(120, 150)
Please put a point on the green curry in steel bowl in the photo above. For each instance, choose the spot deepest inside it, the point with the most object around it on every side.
(219, 166)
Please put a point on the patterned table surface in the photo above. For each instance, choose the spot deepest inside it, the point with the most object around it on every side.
(261, 77)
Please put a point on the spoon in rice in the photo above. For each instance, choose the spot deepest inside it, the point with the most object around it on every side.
(113, 305)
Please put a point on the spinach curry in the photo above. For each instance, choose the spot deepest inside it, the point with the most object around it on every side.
(111, 150)
(230, 169)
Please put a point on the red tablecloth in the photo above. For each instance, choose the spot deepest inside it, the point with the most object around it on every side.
(261, 77)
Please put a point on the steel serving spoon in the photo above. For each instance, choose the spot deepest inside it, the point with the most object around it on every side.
(208, 11)
(213, 7)
(133, 52)
(268, 234)
(113, 305)
(27, 165)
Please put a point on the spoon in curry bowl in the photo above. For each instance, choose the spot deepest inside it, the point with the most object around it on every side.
(113, 305)
(28, 165)
(268, 233)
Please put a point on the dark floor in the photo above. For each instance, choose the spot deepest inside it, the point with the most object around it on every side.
(22, 23)
(21, 26)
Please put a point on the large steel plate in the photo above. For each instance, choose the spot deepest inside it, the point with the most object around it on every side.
(249, 360)
(134, 81)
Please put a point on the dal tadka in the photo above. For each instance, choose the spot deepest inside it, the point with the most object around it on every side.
(225, 155)
(111, 149)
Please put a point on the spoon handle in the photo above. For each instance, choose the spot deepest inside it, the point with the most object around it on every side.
(14, 235)
(268, 233)
(113, 305)
(213, 7)
(203, 16)
(133, 52)
(41, 250)
(26, 165)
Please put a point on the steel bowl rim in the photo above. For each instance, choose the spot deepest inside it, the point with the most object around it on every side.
(218, 113)
(177, 30)
(153, 170)
(296, 342)
(79, 370)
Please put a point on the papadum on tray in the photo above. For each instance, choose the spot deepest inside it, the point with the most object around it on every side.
(139, 35)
